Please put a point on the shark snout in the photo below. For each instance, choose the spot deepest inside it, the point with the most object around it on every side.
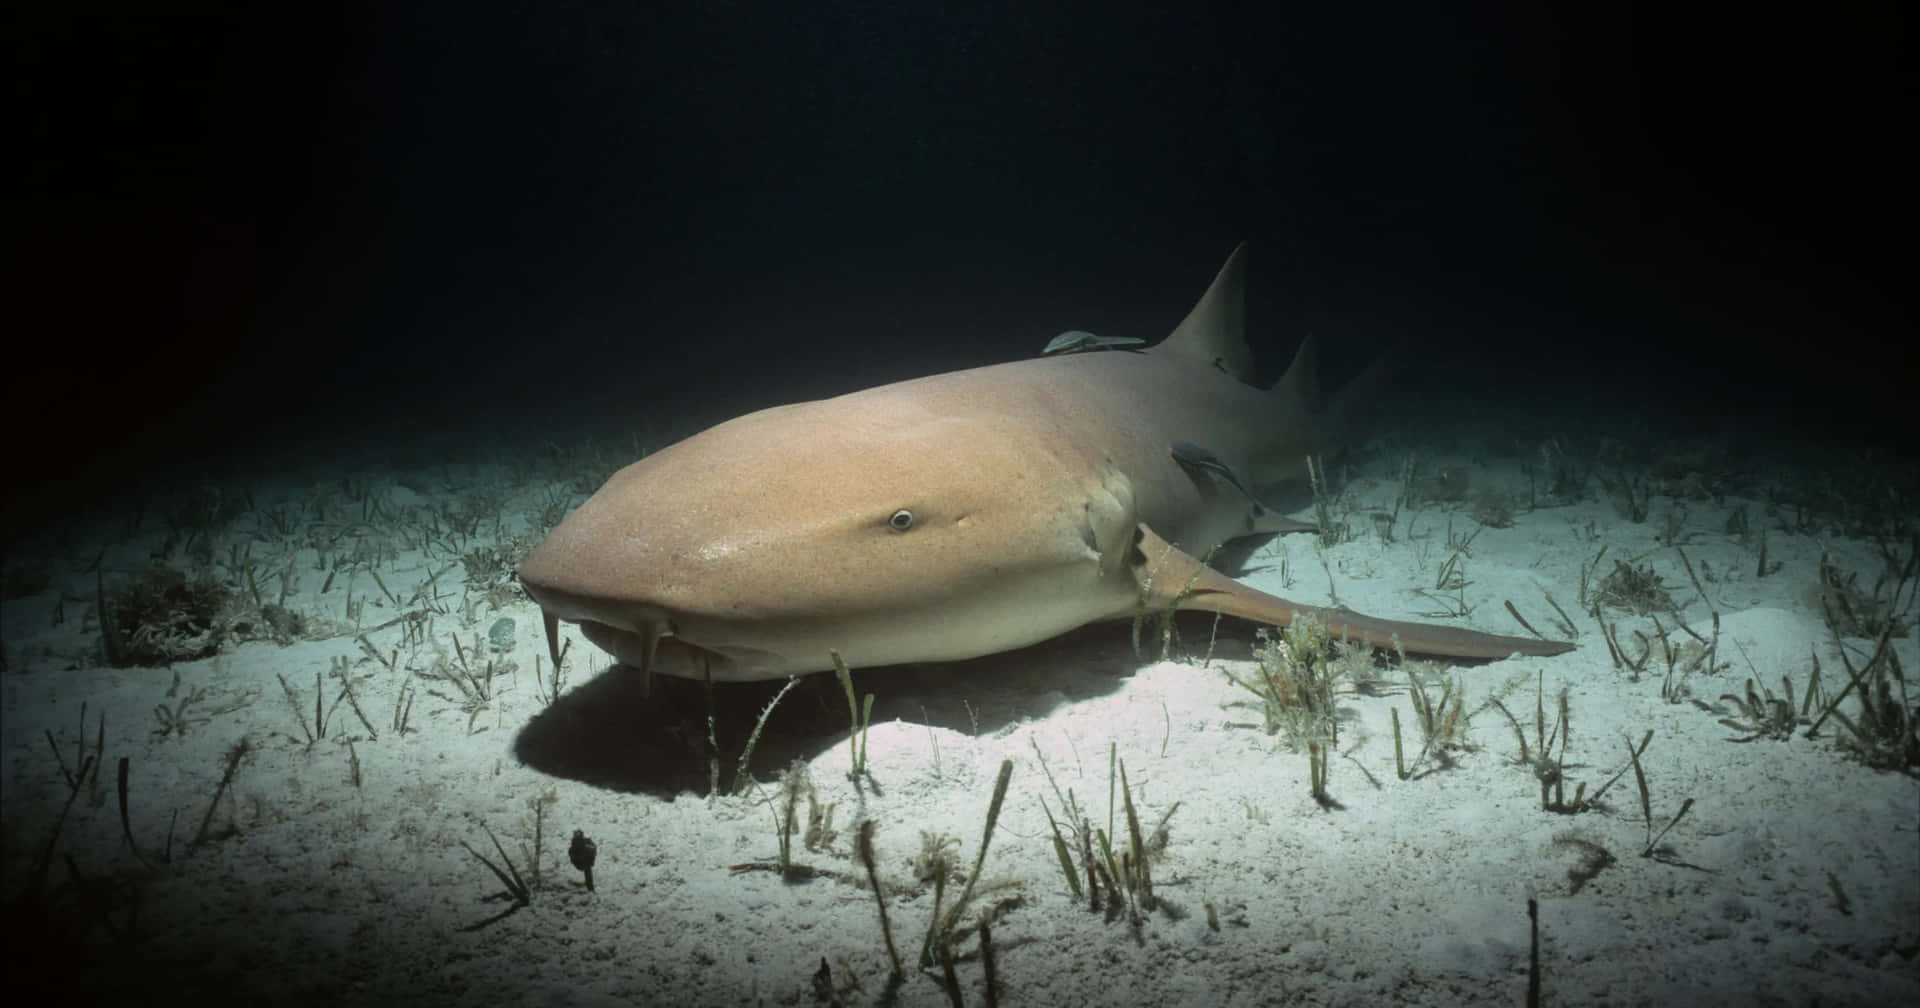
(642, 635)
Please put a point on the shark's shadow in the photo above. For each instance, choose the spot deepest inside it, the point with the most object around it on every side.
(612, 733)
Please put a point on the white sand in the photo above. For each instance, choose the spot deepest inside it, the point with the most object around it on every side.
(1794, 878)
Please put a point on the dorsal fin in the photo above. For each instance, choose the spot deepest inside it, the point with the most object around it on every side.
(1215, 331)
(1302, 380)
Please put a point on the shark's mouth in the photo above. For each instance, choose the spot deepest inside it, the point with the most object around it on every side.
(650, 648)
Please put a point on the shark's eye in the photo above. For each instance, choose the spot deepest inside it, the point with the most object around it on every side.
(901, 520)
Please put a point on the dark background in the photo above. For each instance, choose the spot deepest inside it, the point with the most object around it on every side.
(242, 225)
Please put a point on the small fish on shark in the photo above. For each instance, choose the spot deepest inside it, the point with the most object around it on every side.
(963, 514)
(1080, 341)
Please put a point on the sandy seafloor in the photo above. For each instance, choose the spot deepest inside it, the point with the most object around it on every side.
(336, 868)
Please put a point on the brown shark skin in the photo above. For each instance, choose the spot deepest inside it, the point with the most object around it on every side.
(958, 515)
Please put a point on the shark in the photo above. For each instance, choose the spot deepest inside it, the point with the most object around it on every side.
(963, 514)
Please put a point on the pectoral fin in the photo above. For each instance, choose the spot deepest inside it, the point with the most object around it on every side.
(1170, 578)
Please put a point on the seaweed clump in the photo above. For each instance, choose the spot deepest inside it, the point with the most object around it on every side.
(1492, 508)
(1636, 589)
(161, 615)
